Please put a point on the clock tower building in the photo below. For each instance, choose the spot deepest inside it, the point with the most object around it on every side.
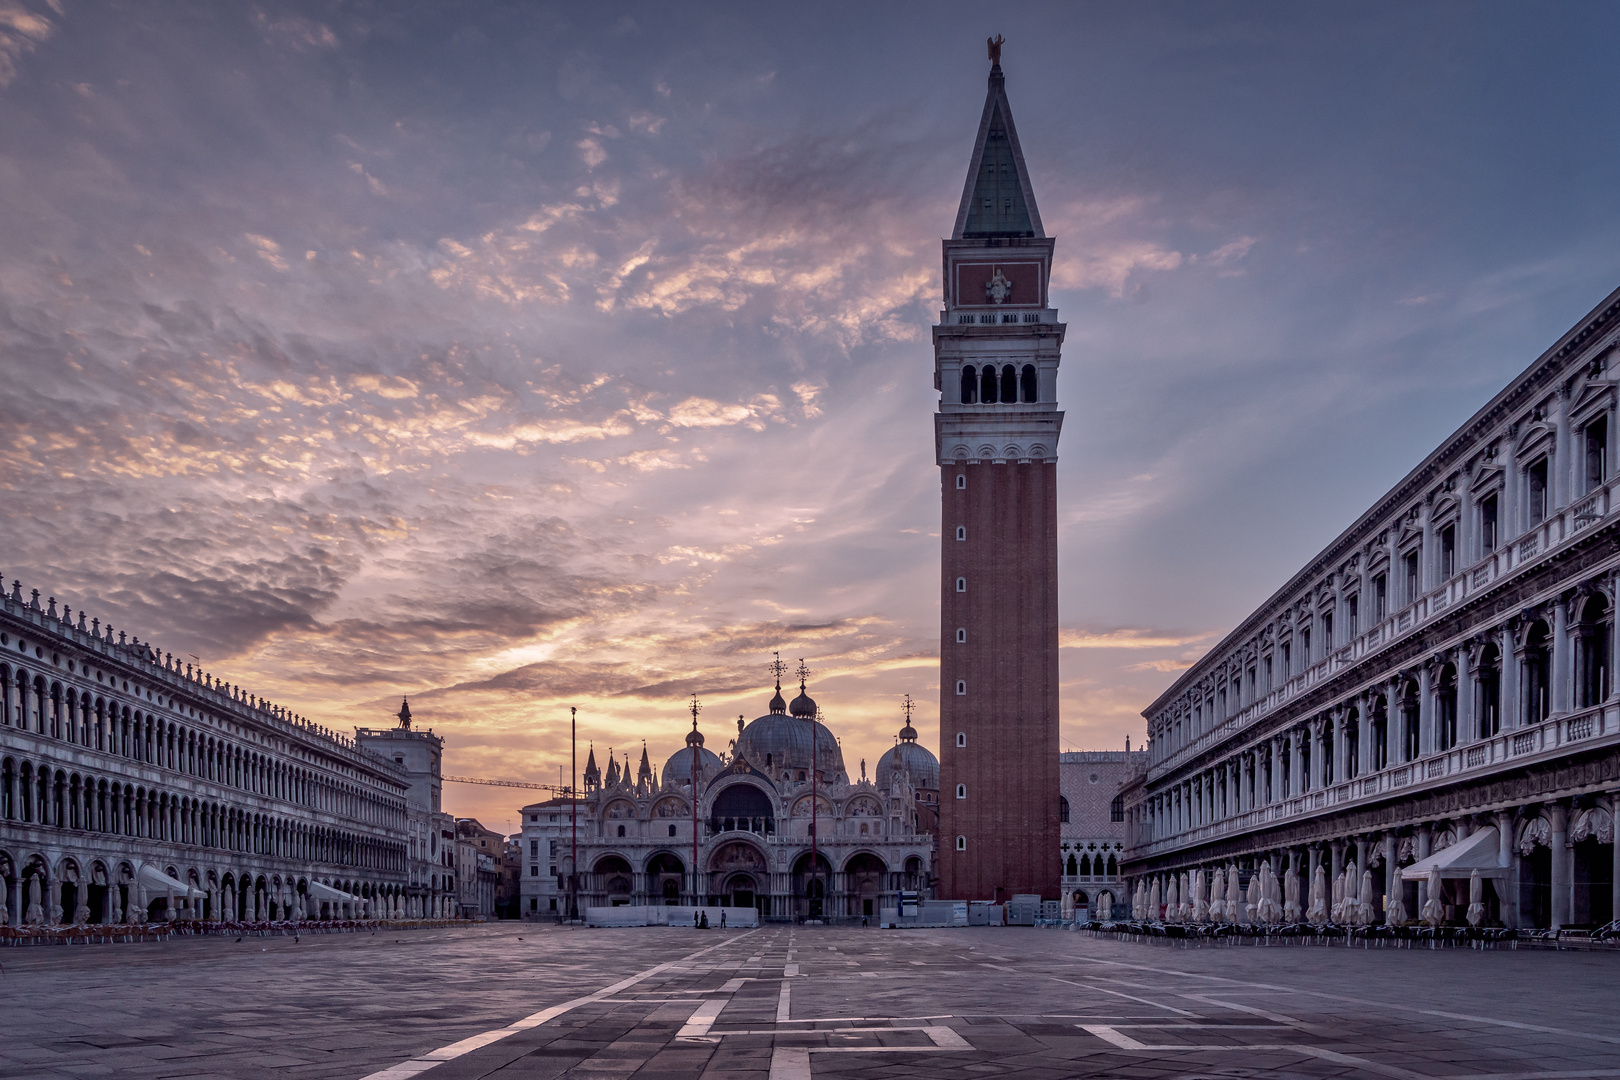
(996, 354)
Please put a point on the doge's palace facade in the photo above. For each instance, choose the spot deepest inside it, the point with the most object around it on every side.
(134, 788)
(1432, 698)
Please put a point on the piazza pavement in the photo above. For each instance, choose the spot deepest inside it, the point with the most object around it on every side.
(540, 1002)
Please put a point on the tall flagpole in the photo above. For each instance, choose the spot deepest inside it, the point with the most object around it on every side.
(573, 814)
(692, 744)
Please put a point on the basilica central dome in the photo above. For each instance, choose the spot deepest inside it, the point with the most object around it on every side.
(778, 742)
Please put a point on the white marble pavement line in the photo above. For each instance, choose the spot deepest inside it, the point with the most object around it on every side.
(1111, 1034)
(793, 1062)
(423, 1062)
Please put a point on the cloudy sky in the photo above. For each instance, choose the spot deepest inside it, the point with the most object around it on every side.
(524, 356)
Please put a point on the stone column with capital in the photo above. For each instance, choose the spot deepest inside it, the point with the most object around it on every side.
(1512, 706)
(1394, 738)
(1558, 818)
(1426, 711)
(1467, 725)
(1420, 850)
(1561, 657)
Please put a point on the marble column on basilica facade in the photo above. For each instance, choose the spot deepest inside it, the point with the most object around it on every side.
(1512, 707)
(1561, 656)
(1562, 856)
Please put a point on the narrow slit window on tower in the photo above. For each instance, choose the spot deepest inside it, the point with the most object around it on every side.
(961, 532)
(961, 687)
(970, 385)
(1031, 391)
(961, 843)
(961, 738)
(961, 635)
(961, 482)
(961, 791)
(961, 584)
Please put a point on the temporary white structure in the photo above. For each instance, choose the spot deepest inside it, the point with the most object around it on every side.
(1477, 851)
(157, 883)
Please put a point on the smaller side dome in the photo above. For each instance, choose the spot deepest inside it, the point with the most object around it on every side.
(804, 706)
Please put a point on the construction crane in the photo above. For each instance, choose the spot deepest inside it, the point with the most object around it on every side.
(508, 783)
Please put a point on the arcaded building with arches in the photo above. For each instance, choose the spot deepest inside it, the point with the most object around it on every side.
(1434, 692)
(754, 847)
(135, 788)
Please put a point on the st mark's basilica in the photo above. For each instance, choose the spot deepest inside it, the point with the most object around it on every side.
(778, 827)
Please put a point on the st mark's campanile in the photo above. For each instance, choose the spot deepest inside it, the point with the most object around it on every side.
(996, 353)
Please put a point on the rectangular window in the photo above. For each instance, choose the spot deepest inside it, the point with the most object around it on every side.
(534, 849)
(1448, 552)
(1414, 584)
(1268, 674)
(1305, 646)
(1327, 633)
(1535, 493)
(534, 868)
(1487, 525)
(1287, 659)
(1352, 607)
(1597, 452)
(553, 849)
(1252, 684)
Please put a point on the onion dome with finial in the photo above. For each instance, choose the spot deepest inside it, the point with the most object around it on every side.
(779, 743)
(909, 759)
(678, 769)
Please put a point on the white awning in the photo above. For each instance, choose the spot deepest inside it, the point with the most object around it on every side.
(156, 881)
(1477, 851)
(331, 895)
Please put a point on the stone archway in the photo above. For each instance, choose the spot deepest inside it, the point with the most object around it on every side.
(865, 876)
(739, 862)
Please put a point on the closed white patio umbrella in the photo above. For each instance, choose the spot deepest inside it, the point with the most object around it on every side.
(1434, 911)
(1476, 899)
(1317, 913)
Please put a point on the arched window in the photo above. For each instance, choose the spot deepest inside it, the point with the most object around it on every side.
(1537, 685)
(1009, 385)
(961, 738)
(1116, 809)
(672, 830)
(961, 532)
(961, 791)
(1063, 809)
(621, 830)
(970, 385)
(1113, 867)
(1074, 867)
(987, 385)
(1085, 866)
(961, 687)
(961, 635)
(961, 843)
(961, 584)
(1031, 390)
(961, 481)
(1591, 653)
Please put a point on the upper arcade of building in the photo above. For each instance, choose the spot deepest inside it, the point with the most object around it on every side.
(1526, 476)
